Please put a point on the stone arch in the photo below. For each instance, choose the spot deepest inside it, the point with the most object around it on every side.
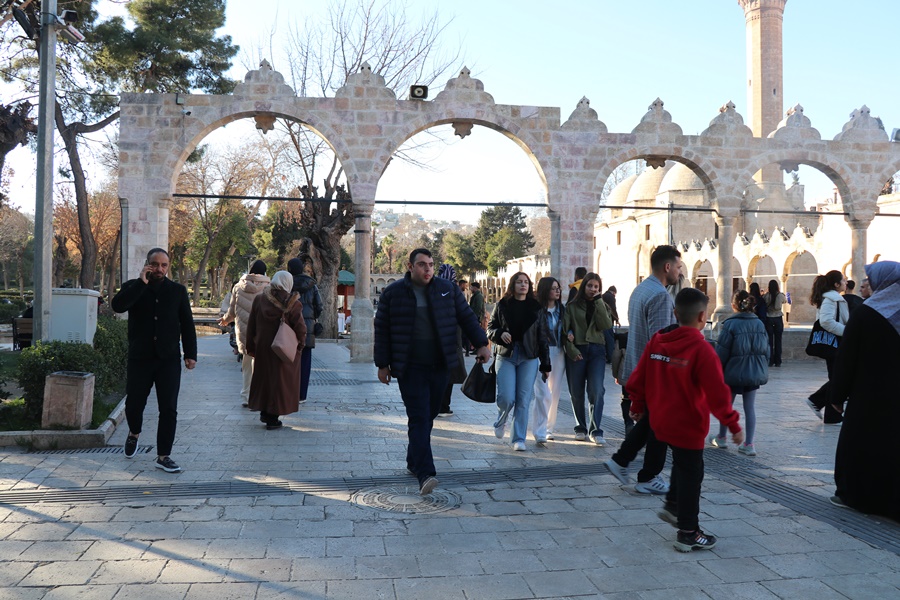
(485, 116)
(179, 152)
(889, 171)
(825, 163)
(765, 260)
(703, 276)
(800, 268)
(696, 163)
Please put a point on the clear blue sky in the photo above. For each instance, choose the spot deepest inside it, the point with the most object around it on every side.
(622, 55)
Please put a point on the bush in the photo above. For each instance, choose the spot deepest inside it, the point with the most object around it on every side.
(111, 345)
(43, 358)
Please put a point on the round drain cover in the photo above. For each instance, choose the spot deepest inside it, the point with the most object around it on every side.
(406, 499)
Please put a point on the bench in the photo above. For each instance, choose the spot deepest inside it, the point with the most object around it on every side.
(23, 331)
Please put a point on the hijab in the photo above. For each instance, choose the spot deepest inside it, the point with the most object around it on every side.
(446, 271)
(884, 279)
(282, 280)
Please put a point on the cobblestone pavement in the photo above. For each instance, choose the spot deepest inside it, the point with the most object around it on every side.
(325, 509)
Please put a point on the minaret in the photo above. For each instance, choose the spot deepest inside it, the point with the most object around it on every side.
(765, 100)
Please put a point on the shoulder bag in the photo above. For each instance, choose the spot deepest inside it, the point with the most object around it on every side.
(823, 344)
(481, 385)
(285, 343)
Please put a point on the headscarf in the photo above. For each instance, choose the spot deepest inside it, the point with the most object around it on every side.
(446, 271)
(884, 279)
(282, 280)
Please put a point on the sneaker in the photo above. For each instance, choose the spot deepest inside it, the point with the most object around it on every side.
(446, 413)
(657, 486)
(580, 436)
(302, 401)
(275, 425)
(836, 500)
(694, 540)
(668, 514)
(167, 464)
(428, 486)
(597, 439)
(519, 446)
(550, 436)
(617, 471)
(814, 408)
(130, 446)
(747, 449)
(500, 431)
(541, 440)
(717, 442)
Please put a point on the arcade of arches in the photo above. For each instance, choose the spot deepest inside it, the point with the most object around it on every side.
(365, 124)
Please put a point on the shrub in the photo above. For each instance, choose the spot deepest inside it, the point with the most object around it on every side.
(8, 311)
(111, 345)
(43, 358)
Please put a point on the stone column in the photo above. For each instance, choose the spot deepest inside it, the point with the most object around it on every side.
(362, 341)
(859, 230)
(725, 251)
(555, 243)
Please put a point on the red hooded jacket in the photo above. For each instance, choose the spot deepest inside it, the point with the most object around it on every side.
(679, 378)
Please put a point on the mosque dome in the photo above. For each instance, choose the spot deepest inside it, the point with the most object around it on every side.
(680, 178)
(620, 193)
(647, 185)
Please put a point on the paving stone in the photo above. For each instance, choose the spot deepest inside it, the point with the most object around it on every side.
(81, 592)
(739, 591)
(321, 569)
(560, 583)
(194, 571)
(738, 570)
(259, 569)
(128, 572)
(153, 591)
(803, 588)
(51, 551)
(387, 567)
(445, 588)
(291, 591)
(355, 546)
(496, 587)
(370, 589)
(20, 593)
(61, 572)
(222, 591)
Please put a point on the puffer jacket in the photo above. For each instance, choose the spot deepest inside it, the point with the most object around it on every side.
(242, 295)
(833, 304)
(312, 304)
(743, 348)
(396, 315)
(534, 340)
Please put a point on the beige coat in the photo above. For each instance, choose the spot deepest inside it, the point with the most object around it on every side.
(242, 297)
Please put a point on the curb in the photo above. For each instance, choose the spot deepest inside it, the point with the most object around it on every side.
(60, 440)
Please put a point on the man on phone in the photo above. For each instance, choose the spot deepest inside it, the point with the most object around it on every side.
(159, 313)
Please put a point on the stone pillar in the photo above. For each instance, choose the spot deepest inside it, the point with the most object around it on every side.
(576, 234)
(725, 251)
(362, 340)
(555, 243)
(859, 229)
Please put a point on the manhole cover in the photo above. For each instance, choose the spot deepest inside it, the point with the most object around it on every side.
(406, 499)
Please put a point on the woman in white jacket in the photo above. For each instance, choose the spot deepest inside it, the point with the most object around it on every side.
(832, 312)
(245, 290)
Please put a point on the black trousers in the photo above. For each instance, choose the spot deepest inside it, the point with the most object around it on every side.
(654, 457)
(821, 396)
(142, 376)
(422, 389)
(684, 487)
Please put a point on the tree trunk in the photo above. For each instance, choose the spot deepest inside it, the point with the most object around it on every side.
(328, 280)
(60, 258)
(201, 268)
(113, 263)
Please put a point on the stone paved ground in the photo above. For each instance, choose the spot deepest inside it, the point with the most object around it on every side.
(275, 514)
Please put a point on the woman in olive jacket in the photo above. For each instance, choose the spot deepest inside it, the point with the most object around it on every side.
(743, 347)
(518, 328)
(585, 321)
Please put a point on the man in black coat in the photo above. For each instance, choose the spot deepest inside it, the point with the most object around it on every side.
(159, 313)
(415, 342)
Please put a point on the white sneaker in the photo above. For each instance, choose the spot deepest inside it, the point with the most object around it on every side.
(519, 446)
(717, 442)
(579, 436)
(550, 436)
(597, 439)
(657, 486)
(619, 472)
(500, 431)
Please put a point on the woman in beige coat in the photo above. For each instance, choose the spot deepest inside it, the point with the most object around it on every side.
(242, 296)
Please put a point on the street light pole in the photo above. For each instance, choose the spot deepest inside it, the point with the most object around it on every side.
(43, 214)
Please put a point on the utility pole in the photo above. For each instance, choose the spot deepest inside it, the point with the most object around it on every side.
(43, 213)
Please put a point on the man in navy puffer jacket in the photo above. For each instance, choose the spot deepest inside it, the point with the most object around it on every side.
(415, 341)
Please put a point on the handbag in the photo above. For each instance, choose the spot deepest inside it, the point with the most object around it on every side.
(481, 385)
(823, 344)
(285, 343)
(318, 329)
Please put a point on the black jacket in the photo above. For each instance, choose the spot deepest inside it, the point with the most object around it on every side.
(396, 316)
(534, 340)
(157, 319)
(312, 304)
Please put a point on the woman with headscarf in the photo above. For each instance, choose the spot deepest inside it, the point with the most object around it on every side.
(867, 462)
(275, 387)
(457, 375)
(245, 290)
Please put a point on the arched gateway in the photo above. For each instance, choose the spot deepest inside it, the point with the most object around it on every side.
(364, 123)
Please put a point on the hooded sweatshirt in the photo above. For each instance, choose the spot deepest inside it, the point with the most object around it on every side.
(679, 381)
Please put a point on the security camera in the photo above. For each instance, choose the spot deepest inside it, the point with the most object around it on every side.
(70, 34)
(185, 112)
(69, 16)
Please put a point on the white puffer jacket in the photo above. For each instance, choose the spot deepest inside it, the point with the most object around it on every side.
(245, 290)
(833, 304)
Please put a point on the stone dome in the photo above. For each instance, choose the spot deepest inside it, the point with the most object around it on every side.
(647, 185)
(680, 178)
(620, 193)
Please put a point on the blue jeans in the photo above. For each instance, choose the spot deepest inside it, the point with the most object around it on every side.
(588, 372)
(515, 389)
(422, 388)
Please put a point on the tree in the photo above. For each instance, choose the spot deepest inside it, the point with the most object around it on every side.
(493, 220)
(16, 128)
(505, 244)
(459, 252)
(164, 46)
(539, 226)
(16, 246)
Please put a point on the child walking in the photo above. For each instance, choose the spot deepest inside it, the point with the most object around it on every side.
(678, 380)
(743, 347)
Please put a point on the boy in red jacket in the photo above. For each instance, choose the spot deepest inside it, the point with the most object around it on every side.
(679, 379)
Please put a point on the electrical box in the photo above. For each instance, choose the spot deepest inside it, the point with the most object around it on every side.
(73, 315)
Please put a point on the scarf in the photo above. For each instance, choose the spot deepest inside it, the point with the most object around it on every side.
(884, 279)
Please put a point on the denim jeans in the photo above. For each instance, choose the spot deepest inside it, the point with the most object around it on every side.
(515, 389)
(421, 388)
(588, 372)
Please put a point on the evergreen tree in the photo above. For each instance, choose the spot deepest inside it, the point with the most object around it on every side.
(493, 220)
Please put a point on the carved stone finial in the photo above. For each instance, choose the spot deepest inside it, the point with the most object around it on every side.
(584, 118)
(862, 127)
(657, 120)
(264, 65)
(465, 89)
(728, 123)
(795, 127)
(365, 83)
(264, 82)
